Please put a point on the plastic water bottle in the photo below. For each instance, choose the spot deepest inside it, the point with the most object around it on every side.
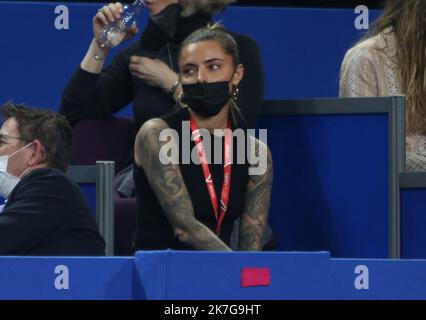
(114, 32)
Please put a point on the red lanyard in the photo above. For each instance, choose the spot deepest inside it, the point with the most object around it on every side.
(224, 198)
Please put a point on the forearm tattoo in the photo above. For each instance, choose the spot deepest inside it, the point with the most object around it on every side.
(255, 216)
(167, 182)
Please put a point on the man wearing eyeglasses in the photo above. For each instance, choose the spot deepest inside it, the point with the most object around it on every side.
(44, 212)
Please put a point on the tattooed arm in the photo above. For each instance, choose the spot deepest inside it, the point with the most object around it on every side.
(255, 215)
(168, 185)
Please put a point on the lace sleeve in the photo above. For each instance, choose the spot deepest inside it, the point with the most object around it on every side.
(358, 76)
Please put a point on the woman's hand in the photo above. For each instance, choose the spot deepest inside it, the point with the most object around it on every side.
(154, 72)
(109, 14)
(156, 6)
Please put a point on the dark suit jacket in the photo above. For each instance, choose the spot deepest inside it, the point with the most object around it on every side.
(47, 214)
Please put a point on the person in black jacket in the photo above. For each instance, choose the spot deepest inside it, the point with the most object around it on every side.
(44, 212)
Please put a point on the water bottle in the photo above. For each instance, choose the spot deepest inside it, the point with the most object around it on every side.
(114, 32)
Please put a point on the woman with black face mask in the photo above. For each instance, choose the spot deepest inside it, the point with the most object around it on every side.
(146, 73)
(193, 179)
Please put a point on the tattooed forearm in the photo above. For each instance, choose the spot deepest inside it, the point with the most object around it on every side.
(202, 238)
(167, 183)
(255, 215)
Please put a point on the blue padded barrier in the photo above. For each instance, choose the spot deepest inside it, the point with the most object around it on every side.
(378, 279)
(334, 175)
(180, 275)
(96, 183)
(413, 217)
(85, 177)
(214, 275)
(66, 278)
(294, 275)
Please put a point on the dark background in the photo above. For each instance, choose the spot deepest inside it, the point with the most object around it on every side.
(285, 3)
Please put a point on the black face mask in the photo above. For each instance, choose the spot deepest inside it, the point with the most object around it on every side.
(206, 99)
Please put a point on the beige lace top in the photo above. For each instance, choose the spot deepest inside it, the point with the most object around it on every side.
(367, 71)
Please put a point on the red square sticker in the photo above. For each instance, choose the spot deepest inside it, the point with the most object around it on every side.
(255, 277)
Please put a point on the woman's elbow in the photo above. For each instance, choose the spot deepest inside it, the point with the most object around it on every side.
(182, 235)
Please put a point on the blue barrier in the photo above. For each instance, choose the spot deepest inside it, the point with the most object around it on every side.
(89, 191)
(302, 49)
(180, 275)
(66, 278)
(96, 183)
(213, 275)
(413, 218)
(378, 279)
(335, 178)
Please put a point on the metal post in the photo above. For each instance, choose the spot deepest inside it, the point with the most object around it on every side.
(396, 166)
(105, 202)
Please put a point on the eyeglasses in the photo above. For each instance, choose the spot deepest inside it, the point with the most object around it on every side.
(4, 137)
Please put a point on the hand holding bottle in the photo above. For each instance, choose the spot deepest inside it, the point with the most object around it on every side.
(115, 23)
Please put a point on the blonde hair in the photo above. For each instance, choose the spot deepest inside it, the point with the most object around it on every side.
(407, 20)
(207, 7)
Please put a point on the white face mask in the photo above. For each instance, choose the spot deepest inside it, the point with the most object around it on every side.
(7, 181)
